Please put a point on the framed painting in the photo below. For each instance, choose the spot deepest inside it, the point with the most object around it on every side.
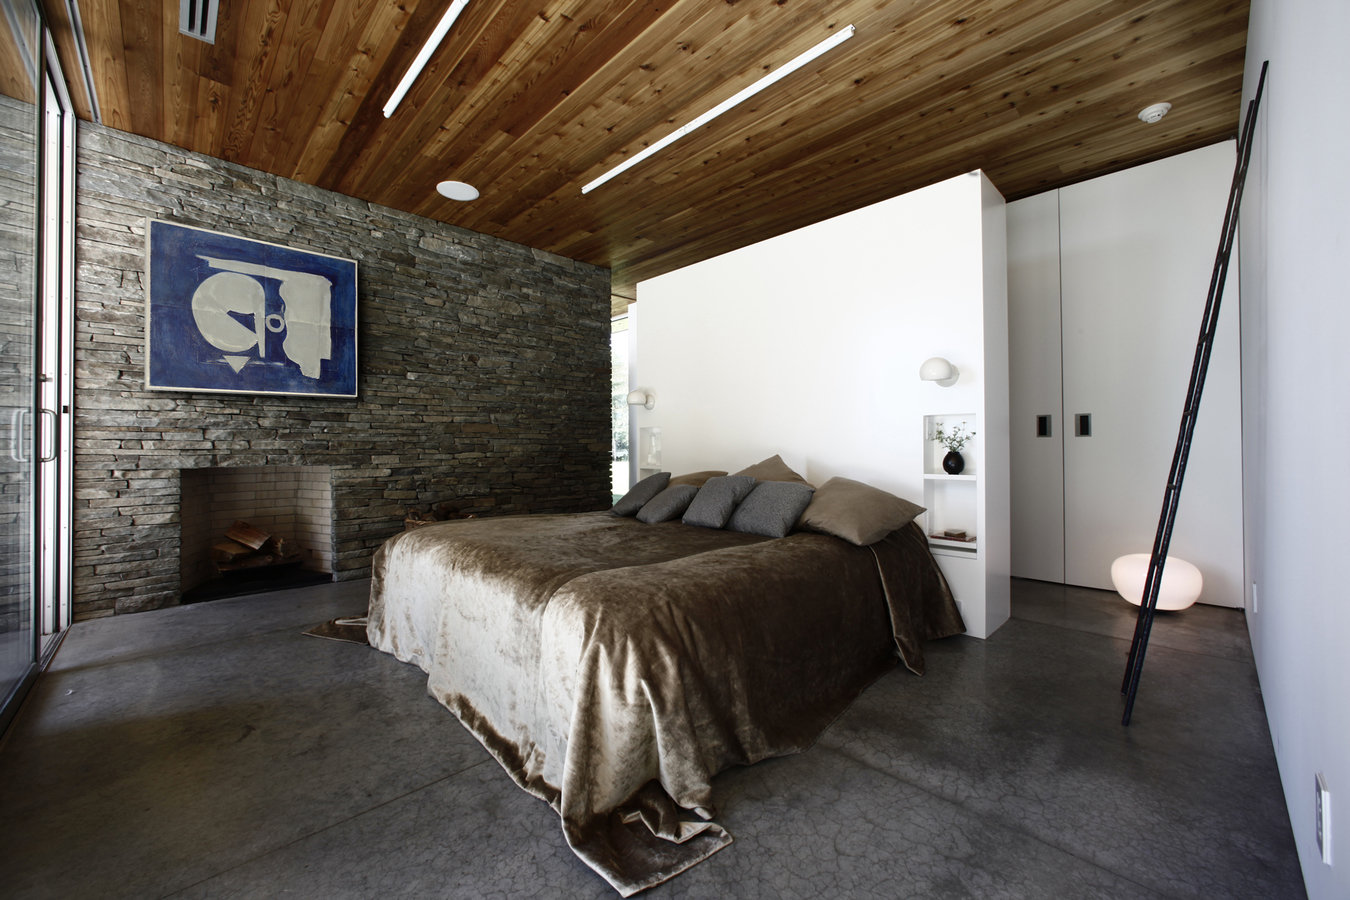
(234, 315)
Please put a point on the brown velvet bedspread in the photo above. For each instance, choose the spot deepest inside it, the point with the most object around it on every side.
(614, 667)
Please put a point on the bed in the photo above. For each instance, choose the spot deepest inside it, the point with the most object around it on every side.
(614, 666)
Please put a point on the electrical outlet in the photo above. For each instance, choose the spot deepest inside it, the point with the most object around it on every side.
(1256, 605)
(1323, 818)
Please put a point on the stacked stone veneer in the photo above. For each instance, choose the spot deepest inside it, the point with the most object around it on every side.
(483, 371)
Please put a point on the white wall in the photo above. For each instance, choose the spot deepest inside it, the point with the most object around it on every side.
(997, 562)
(1295, 240)
(809, 344)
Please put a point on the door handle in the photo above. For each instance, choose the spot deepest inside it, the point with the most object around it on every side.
(16, 434)
(49, 412)
(1082, 425)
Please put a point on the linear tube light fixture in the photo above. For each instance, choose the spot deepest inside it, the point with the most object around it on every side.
(776, 75)
(442, 28)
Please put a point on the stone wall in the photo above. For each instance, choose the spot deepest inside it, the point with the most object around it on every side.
(483, 371)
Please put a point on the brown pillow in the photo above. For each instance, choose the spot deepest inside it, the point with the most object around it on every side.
(856, 512)
(696, 478)
(773, 469)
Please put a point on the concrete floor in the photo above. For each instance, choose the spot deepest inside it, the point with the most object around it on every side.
(213, 750)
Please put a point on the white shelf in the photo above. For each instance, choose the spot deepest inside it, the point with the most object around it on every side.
(952, 501)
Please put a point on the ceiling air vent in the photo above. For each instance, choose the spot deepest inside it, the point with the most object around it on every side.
(197, 18)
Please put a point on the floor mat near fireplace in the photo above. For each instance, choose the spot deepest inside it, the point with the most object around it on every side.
(349, 628)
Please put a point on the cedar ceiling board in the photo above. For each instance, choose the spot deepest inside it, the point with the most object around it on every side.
(210, 116)
(936, 167)
(717, 90)
(936, 103)
(180, 79)
(1014, 155)
(416, 123)
(682, 88)
(375, 32)
(529, 101)
(831, 141)
(1208, 116)
(143, 49)
(263, 21)
(63, 36)
(713, 80)
(15, 80)
(292, 99)
(532, 112)
(103, 36)
(374, 144)
(808, 209)
(517, 107)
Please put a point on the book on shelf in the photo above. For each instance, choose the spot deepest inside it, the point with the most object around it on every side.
(963, 539)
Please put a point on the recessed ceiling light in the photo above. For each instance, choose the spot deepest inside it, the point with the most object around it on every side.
(457, 190)
(777, 74)
(1151, 114)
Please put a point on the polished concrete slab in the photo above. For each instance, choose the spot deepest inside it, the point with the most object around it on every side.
(214, 751)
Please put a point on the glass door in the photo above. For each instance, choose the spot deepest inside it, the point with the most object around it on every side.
(20, 129)
(54, 451)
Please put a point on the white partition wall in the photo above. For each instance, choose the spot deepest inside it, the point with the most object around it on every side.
(809, 345)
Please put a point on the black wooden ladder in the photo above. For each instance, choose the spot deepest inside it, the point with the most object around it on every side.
(1209, 323)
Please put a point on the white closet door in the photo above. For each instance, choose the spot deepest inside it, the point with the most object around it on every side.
(1035, 388)
(1137, 249)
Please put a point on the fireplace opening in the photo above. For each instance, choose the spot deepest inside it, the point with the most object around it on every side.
(291, 503)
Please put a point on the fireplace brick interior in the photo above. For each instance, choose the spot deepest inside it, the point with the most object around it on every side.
(292, 502)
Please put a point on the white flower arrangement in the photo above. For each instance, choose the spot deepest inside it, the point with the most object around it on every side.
(954, 439)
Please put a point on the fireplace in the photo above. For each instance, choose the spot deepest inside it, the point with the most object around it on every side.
(291, 502)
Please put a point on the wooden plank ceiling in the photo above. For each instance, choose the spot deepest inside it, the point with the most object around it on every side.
(530, 99)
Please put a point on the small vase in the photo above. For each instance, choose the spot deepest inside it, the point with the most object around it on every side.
(953, 463)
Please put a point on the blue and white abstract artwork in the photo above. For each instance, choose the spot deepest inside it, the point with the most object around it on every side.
(239, 316)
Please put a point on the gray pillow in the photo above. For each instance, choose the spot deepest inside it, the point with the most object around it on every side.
(857, 512)
(713, 505)
(641, 492)
(771, 509)
(669, 504)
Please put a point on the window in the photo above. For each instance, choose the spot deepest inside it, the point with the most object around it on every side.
(618, 404)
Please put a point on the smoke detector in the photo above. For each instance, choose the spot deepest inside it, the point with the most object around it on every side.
(1151, 114)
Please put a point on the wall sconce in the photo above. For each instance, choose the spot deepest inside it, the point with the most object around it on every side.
(642, 397)
(936, 369)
